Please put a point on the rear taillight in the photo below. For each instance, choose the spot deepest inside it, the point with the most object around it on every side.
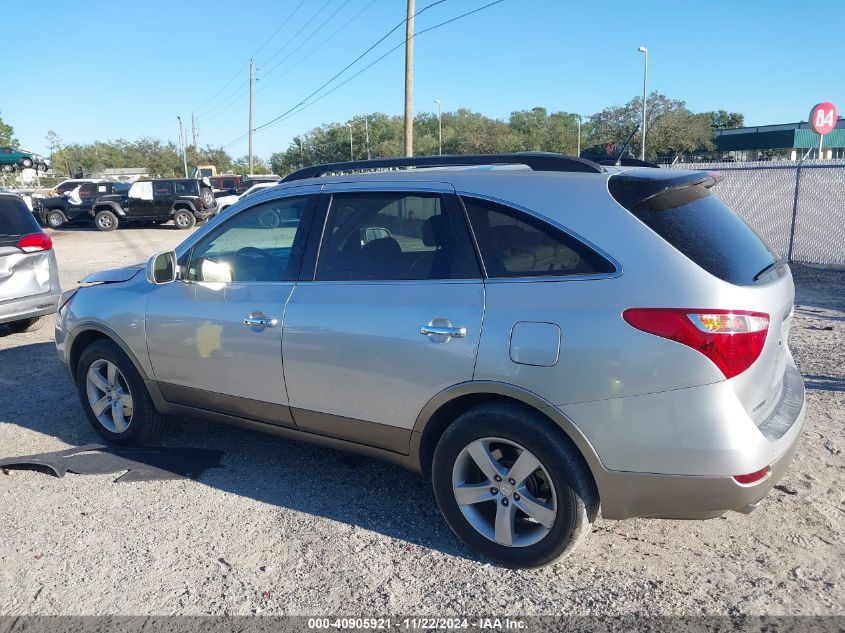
(35, 242)
(732, 339)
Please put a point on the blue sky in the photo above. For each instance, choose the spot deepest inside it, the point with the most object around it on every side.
(100, 69)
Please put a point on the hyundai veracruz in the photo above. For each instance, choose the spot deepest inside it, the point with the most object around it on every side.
(544, 337)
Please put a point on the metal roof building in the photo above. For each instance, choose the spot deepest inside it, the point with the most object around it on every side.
(790, 140)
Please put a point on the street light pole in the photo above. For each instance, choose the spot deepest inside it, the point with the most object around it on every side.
(578, 120)
(367, 134)
(643, 49)
(351, 157)
(439, 128)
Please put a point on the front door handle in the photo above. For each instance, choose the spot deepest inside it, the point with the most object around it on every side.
(260, 320)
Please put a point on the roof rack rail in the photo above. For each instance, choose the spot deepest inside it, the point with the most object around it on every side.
(537, 161)
(627, 162)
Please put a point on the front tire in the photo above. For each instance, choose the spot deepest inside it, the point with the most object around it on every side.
(512, 486)
(184, 219)
(26, 325)
(26, 163)
(55, 219)
(105, 220)
(114, 397)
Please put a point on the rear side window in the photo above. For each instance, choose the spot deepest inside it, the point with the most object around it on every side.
(387, 236)
(185, 188)
(15, 220)
(708, 232)
(515, 244)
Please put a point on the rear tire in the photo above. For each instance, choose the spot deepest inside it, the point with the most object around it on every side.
(142, 424)
(26, 325)
(55, 219)
(184, 219)
(561, 483)
(26, 163)
(105, 221)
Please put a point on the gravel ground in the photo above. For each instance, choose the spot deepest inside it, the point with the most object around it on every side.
(288, 528)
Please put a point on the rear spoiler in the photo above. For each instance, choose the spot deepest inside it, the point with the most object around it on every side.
(635, 187)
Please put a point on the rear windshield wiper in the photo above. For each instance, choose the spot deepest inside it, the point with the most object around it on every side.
(773, 266)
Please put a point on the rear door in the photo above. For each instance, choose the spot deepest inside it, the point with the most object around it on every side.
(385, 316)
(21, 274)
(162, 198)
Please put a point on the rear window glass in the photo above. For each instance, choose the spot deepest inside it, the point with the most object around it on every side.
(15, 218)
(708, 232)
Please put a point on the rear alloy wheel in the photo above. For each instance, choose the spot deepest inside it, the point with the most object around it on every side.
(105, 220)
(26, 162)
(512, 486)
(184, 219)
(55, 219)
(114, 396)
(26, 325)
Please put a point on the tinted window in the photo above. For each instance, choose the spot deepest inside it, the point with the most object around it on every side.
(704, 229)
(15, 219)
(228, 183)
(188, 188)
(393, 236)
(87, 190)
(515, 244)
(161, 189)
(255, 245)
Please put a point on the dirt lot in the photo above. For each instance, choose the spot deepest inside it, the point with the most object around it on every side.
(286, 528)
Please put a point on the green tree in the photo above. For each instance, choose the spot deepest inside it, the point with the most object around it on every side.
(7, 134)
(723, 120)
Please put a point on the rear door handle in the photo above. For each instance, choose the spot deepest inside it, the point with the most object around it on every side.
(260, 321)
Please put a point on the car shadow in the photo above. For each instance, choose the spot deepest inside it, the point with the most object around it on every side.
(311, 479)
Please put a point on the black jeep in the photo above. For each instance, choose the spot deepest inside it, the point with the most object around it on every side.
(63, 209)
(183, 200)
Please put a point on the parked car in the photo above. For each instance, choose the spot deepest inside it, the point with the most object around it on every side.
(224, 202)
(255, 179)
(183, 200)
(70, 184)
(544, 337)
(76, 204)
(12, 158)
(29, 277)
(226, 182)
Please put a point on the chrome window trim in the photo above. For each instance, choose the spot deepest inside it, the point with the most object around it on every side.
(555, 224)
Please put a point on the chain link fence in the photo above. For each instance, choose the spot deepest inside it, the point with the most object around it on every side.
(798, 207)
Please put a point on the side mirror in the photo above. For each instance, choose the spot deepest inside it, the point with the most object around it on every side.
(161, 268)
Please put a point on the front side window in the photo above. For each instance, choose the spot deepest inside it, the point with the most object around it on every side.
(87, 190)
(161, 188)
(392, 236)
(255, 245)
(515, 244)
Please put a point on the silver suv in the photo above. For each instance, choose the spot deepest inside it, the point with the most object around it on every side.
(539, 334)
(29, 277)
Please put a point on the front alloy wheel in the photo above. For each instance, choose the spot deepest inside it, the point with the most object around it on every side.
(109, 395)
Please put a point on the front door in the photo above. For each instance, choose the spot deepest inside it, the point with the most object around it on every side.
(215, 335)
(388, 316)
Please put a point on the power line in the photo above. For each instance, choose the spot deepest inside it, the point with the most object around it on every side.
(299, 32)
(267, 41)
(316, 48)
(302, 105)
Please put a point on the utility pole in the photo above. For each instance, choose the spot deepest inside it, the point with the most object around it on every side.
(182, 146)
(367, 135)
(439, 128)
(351, 155)
(194, 129)
(409, 80)
(251, 80)
(643, 49)
(578, 119)
(301, 154)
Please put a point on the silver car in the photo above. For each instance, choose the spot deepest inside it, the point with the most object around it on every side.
(542, 336)
(29, 277)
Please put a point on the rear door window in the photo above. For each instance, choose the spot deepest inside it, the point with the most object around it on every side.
(708, 232)
(394, 236)
(515, 244)
(15, 220)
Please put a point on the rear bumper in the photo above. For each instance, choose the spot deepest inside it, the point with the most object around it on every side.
(686, 464)
(29, 307)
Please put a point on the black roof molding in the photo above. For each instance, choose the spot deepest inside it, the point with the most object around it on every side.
(537, 161)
